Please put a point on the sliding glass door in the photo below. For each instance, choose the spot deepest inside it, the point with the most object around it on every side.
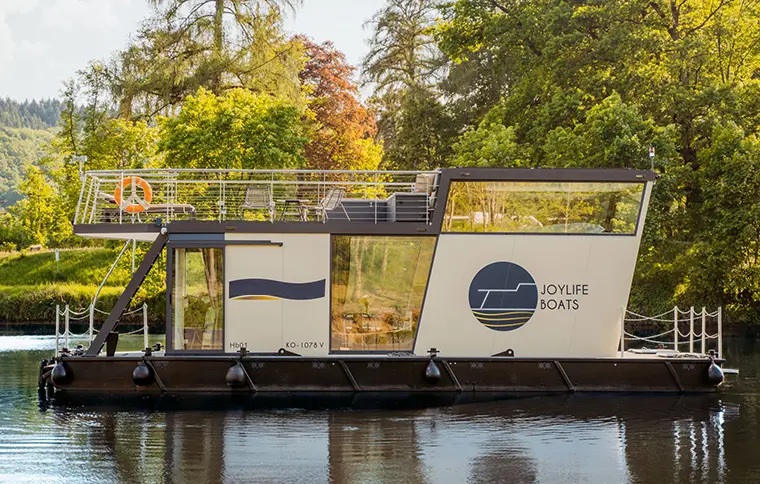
(198, 299)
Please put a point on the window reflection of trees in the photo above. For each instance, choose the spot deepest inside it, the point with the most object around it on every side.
(378, 284)
(198, 298)
(543, 207)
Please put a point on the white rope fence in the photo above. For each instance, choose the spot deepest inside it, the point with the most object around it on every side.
(677, 318)
(70, 315)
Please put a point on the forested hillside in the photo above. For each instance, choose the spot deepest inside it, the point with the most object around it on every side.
(26, 129)
(30, 114)
(19, 147)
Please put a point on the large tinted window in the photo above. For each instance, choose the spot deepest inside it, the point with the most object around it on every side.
(543, 207)
(378, 284)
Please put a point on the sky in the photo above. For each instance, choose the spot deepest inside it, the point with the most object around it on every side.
(44, 42)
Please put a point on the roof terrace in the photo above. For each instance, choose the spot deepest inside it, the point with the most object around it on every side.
(144, 196)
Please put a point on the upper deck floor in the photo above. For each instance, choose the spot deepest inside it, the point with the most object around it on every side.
(137, 203)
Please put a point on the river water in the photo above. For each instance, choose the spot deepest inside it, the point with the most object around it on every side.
(550, 439)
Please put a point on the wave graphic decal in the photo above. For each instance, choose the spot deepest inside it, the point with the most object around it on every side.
(269, 289)
(498, 319)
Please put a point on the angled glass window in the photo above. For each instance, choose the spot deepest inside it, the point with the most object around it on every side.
(543, 207)
(378, 284)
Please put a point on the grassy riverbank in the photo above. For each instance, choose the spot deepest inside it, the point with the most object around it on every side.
(31, 284)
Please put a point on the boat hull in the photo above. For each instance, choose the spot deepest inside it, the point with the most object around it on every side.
(277, 374)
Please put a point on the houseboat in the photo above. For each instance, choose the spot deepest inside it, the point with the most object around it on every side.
(453, 280)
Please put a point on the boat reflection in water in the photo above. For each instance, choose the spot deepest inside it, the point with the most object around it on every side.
(539, 439)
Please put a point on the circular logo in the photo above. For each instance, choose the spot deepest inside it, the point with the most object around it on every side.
(503, 296)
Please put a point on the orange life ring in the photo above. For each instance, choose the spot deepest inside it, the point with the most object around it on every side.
(133, 203)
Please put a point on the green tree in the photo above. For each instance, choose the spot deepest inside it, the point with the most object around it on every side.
(491, 144)
(39, 215)
(416, 130)
(244, 13)
(724, 263)
(404, 66)
(612, 135)
(122, 144)
(595, 83)
(91, 131)
(215, 44)
(403, 53)
(238, 130)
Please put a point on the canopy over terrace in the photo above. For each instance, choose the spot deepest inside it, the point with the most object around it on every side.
(135, 204)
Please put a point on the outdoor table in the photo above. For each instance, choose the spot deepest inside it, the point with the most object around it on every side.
(294, 206)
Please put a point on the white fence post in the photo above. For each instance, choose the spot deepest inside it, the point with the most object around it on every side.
(92, 319)
(622, 334)
(691, 329)
(66, 327)
(675, 328)
(145, 325)
(720, 332)
(704, 330)
(57, 328)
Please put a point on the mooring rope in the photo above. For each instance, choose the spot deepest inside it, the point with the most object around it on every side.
(648, 318)
(127, 313)
(656, 335)
(648, 339)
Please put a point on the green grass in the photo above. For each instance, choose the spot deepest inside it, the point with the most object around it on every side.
(37, 302)
(76, 266)
(32, 284)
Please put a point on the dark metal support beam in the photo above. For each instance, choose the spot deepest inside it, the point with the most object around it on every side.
(350, 376)
(126, 297)
(248, 379)
(675, 376)
(454, 378)
(155, 375)
(564, 376)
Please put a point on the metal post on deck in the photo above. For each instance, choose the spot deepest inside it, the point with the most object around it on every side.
(145, 325)
(720, 332)
(92, 320)
(675, 328)
(704, 331)
(66, 327)
(224, 200)
(57, 327)
(691, 329)
(375, 203)
(122, 204)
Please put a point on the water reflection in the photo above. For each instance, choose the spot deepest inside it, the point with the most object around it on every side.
(581, 438)
(545, 439)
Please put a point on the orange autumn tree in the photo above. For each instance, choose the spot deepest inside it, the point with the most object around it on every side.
(342, 129)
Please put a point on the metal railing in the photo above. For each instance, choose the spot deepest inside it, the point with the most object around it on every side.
(686, 328)
(119, 197)
(70, 315)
